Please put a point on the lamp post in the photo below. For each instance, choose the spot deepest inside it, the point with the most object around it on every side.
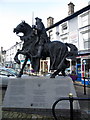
(84, 63)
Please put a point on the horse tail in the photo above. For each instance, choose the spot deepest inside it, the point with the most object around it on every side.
(73, 50)
(71, 46)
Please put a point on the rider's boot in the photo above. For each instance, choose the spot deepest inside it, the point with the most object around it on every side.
(39, 52)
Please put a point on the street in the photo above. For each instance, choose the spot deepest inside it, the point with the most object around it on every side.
(84, 105)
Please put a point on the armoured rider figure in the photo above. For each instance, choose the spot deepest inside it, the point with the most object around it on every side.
(42, 36)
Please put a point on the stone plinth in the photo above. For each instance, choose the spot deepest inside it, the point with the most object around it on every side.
(39, 93)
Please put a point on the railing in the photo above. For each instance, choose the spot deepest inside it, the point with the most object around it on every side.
(84, 78)
(70, 99)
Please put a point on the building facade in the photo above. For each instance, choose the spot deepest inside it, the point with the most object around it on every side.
(2, 57)
(75, 29)
(10, 54)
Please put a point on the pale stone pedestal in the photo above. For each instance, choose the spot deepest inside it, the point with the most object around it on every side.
(39, 93)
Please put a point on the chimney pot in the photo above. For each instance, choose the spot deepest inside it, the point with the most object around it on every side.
(70, 8)
(50, 21)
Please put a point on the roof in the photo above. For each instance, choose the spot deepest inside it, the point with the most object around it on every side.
(70, 17)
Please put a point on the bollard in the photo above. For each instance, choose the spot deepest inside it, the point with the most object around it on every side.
(84, 86)
(71, 105)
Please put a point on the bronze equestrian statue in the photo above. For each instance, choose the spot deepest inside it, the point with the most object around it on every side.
(37, 45)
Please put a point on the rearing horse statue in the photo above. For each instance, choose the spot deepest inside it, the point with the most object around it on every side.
(56, 50)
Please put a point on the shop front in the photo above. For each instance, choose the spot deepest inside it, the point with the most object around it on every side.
(83, 68)
(44, 66)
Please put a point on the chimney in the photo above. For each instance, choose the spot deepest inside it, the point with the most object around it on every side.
(50, 21)
(70, 8)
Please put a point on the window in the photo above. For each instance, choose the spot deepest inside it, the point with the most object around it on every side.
(86, 40)
(84, 19)
(64, 27)
(86, 43)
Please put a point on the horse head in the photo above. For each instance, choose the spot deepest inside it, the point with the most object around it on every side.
(24, 28)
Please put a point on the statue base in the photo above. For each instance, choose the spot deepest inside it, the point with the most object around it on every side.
(39, 93)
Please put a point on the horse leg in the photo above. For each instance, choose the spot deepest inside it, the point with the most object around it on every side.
(55, 73)
(60, 68)
(35, 64)
(21, 71)
(16, 57)
(63, 72)
(53, 62)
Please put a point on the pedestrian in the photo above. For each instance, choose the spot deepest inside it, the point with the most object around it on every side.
(73, 76)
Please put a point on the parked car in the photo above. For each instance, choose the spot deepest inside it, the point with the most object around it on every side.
(6, 74)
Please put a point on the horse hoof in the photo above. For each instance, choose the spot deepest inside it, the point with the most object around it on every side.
(52, 76)
(19, 76)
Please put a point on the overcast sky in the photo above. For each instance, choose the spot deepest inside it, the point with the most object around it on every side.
(13, 11)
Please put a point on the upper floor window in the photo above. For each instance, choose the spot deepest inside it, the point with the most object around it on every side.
(84, 19)
(87, 43)
(64, 27)
(86, 40)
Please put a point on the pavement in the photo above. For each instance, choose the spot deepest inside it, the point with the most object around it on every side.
(84, 107)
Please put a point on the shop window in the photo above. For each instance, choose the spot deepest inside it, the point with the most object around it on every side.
(78, 61)
(86, 63)
(43, 66)
(46, 66)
